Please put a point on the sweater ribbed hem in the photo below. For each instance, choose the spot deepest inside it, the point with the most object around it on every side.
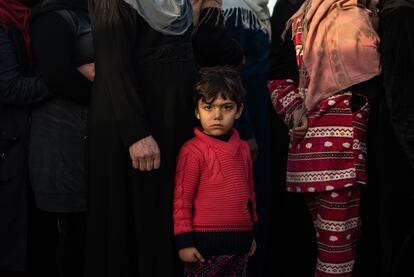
(223, 243)
(184, 240)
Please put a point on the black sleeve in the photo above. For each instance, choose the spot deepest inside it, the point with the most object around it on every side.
(14, 87)
(282, 50)
(213, 45)
(283, 61)
(53, 48)
(115, 41)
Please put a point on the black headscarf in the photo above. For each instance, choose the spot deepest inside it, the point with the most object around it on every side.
(51, 5)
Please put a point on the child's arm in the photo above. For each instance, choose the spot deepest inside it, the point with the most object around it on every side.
(285, 98)
(186, 183)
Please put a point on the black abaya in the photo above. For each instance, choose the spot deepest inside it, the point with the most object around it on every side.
(142, 87)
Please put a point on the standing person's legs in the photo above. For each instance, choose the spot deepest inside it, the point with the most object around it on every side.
(71, 244)
(60, 237)
(42, 241)
(337, 222)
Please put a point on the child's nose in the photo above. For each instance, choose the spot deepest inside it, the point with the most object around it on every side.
(218, 115)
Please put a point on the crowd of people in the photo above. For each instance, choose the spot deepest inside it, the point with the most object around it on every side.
(206, 138)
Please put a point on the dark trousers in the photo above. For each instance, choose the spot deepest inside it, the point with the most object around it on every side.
(56, 244)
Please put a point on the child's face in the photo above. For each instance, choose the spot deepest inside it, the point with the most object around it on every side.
(217, 118)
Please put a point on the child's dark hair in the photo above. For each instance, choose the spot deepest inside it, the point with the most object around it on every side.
(219, 81)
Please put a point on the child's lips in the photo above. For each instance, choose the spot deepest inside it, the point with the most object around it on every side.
(216, 126)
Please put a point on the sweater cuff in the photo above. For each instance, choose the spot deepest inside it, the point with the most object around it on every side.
(184, 240)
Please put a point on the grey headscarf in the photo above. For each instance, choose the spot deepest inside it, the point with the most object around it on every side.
(170, 17)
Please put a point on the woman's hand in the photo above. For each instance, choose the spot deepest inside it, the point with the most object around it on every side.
(190, 255)
(145, 154)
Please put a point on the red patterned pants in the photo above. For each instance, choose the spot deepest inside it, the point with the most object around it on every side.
(337, 222)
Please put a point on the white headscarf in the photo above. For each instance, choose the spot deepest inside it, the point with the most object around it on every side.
(259, 9)
(170, 17)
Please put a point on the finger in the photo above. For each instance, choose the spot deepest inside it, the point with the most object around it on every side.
(135, 164)
(198, 256)
(300, 134)
(301, 128)
(149, 164)
(142, 165)
(157, 161)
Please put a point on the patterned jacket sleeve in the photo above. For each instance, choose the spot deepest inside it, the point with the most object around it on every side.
(285, 98)
(186, 183)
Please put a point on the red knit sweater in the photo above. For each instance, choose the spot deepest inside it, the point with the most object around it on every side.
(214, 200)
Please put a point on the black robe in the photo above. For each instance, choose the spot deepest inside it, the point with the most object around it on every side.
(142, 87)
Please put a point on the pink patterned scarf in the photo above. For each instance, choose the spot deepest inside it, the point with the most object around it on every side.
(340, 46)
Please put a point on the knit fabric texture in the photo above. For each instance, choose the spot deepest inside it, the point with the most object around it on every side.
(214, 201)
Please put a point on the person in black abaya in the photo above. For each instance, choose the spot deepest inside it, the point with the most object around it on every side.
(141, 112)
(63, 54)
(395, 145)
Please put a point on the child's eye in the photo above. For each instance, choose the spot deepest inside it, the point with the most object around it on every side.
(207, 107)
(228, 107)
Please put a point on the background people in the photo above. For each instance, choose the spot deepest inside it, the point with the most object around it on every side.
(212, 43)
(19, 91)
(63, 52)
(395, 139)
(248, 23)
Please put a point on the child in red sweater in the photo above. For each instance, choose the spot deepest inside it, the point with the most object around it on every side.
(214, 201)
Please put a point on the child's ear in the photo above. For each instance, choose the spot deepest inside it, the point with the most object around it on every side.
(196, 113)
(239, 110)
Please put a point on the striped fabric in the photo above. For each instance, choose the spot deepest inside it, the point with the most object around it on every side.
(333, 153)
(336, 220)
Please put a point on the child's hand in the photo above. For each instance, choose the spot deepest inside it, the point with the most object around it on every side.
(252, 248)
(299, 131)
(190, 255)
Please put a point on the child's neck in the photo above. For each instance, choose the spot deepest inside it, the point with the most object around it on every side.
(224, 137)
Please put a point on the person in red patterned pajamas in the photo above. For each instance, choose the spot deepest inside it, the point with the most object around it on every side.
(214, 200)
(326, 111)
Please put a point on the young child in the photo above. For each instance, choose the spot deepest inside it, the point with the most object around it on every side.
(214, 201)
